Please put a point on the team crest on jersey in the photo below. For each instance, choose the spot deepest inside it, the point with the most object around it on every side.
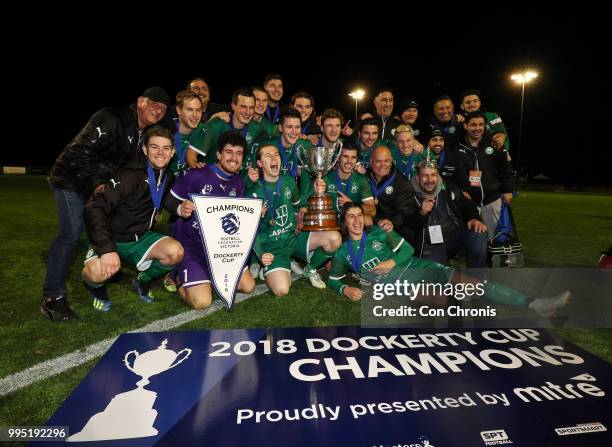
(489, 150)
(376, 245)
(331, 187)
(370, 264)
(281, 215)
(287, 193)
(451, 130)
(354, 188)
(416, 132)
(389, 190)
(207, 189)
(233, 193)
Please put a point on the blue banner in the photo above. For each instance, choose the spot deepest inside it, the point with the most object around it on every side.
(342, 386)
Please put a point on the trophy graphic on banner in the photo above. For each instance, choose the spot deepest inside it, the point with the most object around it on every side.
(131, 414)
(318, 161)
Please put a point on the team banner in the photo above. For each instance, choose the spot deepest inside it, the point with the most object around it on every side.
(228, 226)
(345, 386)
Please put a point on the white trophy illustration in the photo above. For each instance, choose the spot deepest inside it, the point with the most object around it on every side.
(131, 414)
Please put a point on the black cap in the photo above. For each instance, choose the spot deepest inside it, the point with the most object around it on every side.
(435, 133)
(157, 94)
(410, 104)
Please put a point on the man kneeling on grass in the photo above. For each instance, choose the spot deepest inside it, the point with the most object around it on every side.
(119, 220)
(379, 256)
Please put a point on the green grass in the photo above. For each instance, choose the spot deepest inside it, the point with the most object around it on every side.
(557, 230)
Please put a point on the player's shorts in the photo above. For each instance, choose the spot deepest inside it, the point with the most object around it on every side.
(134, 253)
(426, 271)
(297, 248)
(193, 269)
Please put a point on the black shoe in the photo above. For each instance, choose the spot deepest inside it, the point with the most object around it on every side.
(57, 309)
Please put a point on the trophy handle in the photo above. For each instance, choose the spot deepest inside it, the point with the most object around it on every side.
(127, 362)
(299, 155)
(337, 146)
(183, 358)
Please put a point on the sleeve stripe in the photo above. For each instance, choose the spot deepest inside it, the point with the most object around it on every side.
(398, 245)
(176, 195)
(337, 278)
(197, 150)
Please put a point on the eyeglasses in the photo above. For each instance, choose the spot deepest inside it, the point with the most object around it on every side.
(157, 106)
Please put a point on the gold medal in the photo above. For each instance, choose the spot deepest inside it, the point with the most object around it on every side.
(157, 217)
(272, 222)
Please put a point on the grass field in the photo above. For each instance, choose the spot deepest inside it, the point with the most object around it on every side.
(556, 229)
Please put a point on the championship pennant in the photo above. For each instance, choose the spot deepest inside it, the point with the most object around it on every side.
(228, 226)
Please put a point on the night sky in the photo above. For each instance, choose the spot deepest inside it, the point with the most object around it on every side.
(562, 124)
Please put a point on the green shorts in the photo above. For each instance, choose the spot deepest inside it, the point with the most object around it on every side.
(423, 270)
(297, 248)
(134, 253)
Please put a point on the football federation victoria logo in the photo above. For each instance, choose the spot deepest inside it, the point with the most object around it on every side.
(230, 223)
(131, 414)
(281, 215)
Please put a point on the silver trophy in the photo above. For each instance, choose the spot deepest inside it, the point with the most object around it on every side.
(318, 161)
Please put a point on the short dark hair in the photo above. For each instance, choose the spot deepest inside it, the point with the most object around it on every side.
(289, 112)
(469, 92)
(350, 145)
(233, 138)
(257, 88)
(470, 116)
(196, 79)
(442, 98)
(243, 91)
(158, 131)
(368, 122)
(332, 113)
(272, 77)
(303, 94)
(382, 90)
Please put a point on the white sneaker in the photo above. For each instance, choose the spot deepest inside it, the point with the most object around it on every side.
(315, 279)
(254, 269)
(296, 268)
(261, 274)
(547, 307)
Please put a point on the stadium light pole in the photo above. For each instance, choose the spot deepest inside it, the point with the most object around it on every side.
(357, 95)
(522, 78)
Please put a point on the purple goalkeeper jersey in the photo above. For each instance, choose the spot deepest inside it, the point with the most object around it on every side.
(209, 181)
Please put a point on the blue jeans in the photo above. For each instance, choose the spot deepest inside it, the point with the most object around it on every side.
(70, 206)
(462, 240)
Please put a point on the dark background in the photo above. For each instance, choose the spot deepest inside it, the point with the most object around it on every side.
(564, 122)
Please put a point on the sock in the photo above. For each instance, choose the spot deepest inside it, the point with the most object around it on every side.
(156, 270)
(97, 290)
(501, 294)
(318, 258)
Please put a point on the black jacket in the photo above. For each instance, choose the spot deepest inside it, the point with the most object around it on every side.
(393, 203)
(109, 141)
(124, 211)
(496, 170)
(453, 131)
(386, 127)
(460, 210)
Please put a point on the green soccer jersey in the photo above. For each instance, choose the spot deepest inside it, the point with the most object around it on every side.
(253, 133)
(277, 227)
(182, 142)
(357, 187)
(404, 164)
(496, 125)
(270, 129)
(379, 247)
